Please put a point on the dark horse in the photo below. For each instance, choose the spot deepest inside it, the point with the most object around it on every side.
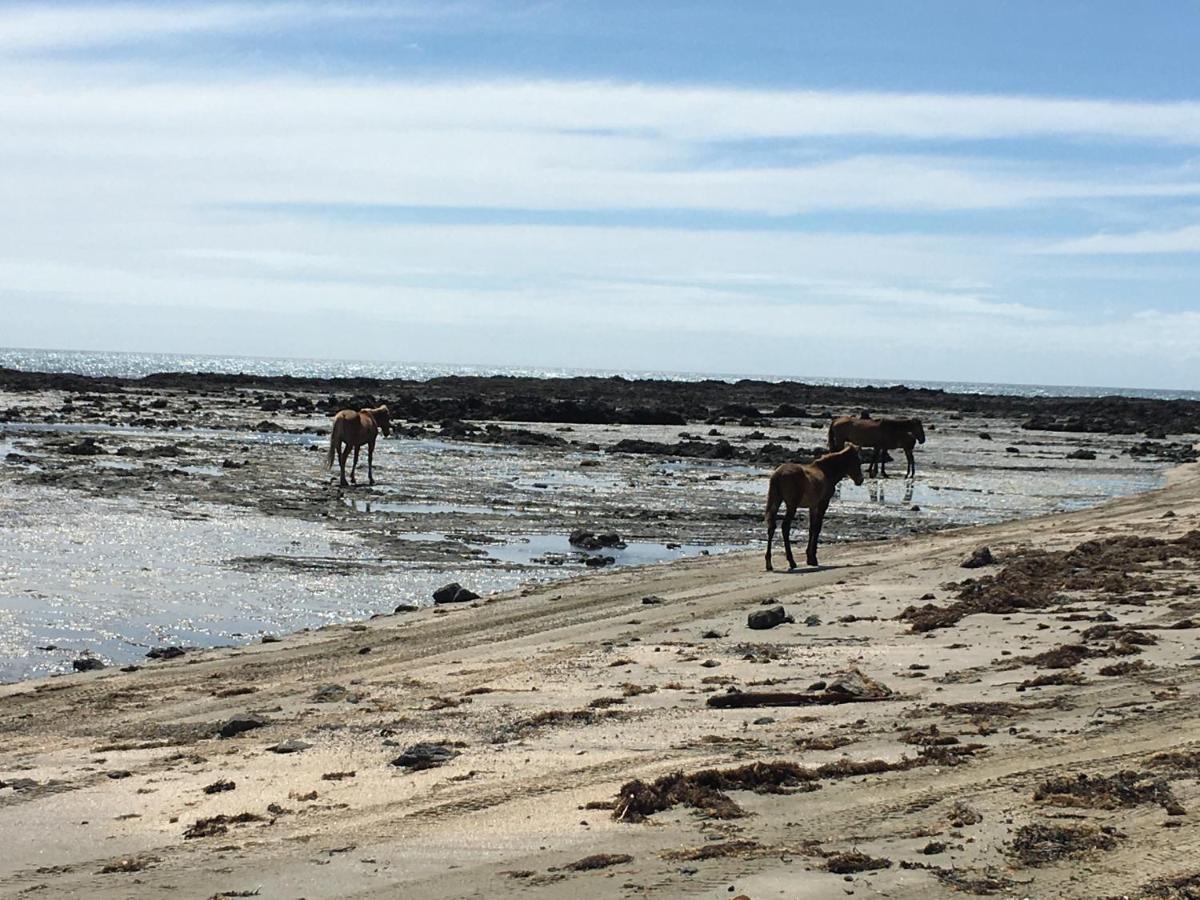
(353, 429)
(810, 485)
(883, 435)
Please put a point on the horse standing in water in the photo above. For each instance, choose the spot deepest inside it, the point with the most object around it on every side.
(810, 485)
(883, 435)
(353, 429)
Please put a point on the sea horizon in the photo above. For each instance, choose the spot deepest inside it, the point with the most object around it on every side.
(137, 364)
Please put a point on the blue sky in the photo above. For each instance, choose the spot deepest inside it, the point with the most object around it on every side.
(937, 190)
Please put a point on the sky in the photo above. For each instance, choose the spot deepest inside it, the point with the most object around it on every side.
(996, 192)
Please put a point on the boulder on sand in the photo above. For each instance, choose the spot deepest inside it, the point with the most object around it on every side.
(762, 619)
(454, 593)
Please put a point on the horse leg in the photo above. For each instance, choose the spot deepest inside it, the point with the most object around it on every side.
(354, 468)
(816, 518)
(873, 469)
(370, 460)
(343, 452)
(788, 516)
(770, 532)
(882, 454)
(911, 472)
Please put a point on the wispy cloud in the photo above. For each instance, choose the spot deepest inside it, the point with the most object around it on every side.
(1176, 240)
(41, 27)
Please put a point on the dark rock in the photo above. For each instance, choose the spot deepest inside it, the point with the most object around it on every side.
(588, 540)
(1081, 454)
(454, 593)
(597, 562)
(241, 724)
(424, 756)
(270, 639)
(762, 619)
(981, 556)
(85, 447)
(165, 653)
(87, 664)
(407, 608)
(855, 684)
(652, 601)
(118, 774)
(219, 786)
(812, 621)
(289, 746)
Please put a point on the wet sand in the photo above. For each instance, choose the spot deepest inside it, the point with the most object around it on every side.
(538, 731)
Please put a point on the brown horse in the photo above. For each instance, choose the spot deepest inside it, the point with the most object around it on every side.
(810, 485)
(883, 435)
(353, 429)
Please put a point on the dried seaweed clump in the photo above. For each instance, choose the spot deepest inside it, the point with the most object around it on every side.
(1036, 845)
(1038, 579)
(854, 861)
(1123, 790)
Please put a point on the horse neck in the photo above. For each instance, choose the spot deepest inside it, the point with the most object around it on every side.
(834, 466)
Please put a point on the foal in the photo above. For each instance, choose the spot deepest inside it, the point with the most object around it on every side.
(353, 429)
(810, 485)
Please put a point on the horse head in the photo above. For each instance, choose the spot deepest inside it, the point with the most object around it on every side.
(918, 431)
(383, 419)
(853, 462)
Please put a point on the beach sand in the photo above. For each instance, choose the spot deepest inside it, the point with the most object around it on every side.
(548, 699)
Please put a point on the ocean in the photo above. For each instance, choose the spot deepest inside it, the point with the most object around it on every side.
(135, 365)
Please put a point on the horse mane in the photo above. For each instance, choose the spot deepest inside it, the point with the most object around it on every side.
(831, 459)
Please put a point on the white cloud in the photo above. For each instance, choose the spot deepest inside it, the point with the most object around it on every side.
(1177, 240)
(25, 28)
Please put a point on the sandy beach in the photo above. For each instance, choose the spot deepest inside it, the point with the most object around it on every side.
(1030, 735)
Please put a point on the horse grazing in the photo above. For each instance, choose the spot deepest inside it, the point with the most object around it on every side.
(353, 429)
(883, 435)
(810, 485)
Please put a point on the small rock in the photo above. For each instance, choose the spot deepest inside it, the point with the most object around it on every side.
(855, 684)
(407, 608)
(812, 621)
(596, 562)
(652, 601)
(289, 746)
(219, 786)
(1081, 454)
(762, 619)
(765, 720)
(270, 639)
(241, 724)
(87, 664)
(982, 556)
(165, 653)
(424, 756)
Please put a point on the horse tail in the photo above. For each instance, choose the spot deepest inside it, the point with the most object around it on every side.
(335, 435)
(834, 440)
(773, 500)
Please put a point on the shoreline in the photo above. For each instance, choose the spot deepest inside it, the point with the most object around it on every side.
(510, 686)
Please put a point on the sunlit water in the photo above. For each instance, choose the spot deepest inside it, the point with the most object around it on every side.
(134, 365)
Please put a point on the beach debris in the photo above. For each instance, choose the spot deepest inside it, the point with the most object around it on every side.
(219, 786)
(330, 693)
(599, 861)
(127, 864)
(289, 746)
(337, 776)
(1122, 790)
(454, 593)
(715, 850)
(980, 556)
(705, 790)
(19, 785)
(854, 861)
(215, 825)
(849, 687)
(88, 664)
(771, 617)
(1058, 678)
(241, 724)
(1038, 844)
(1125, 667)
(424, 756)
(589, 540)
